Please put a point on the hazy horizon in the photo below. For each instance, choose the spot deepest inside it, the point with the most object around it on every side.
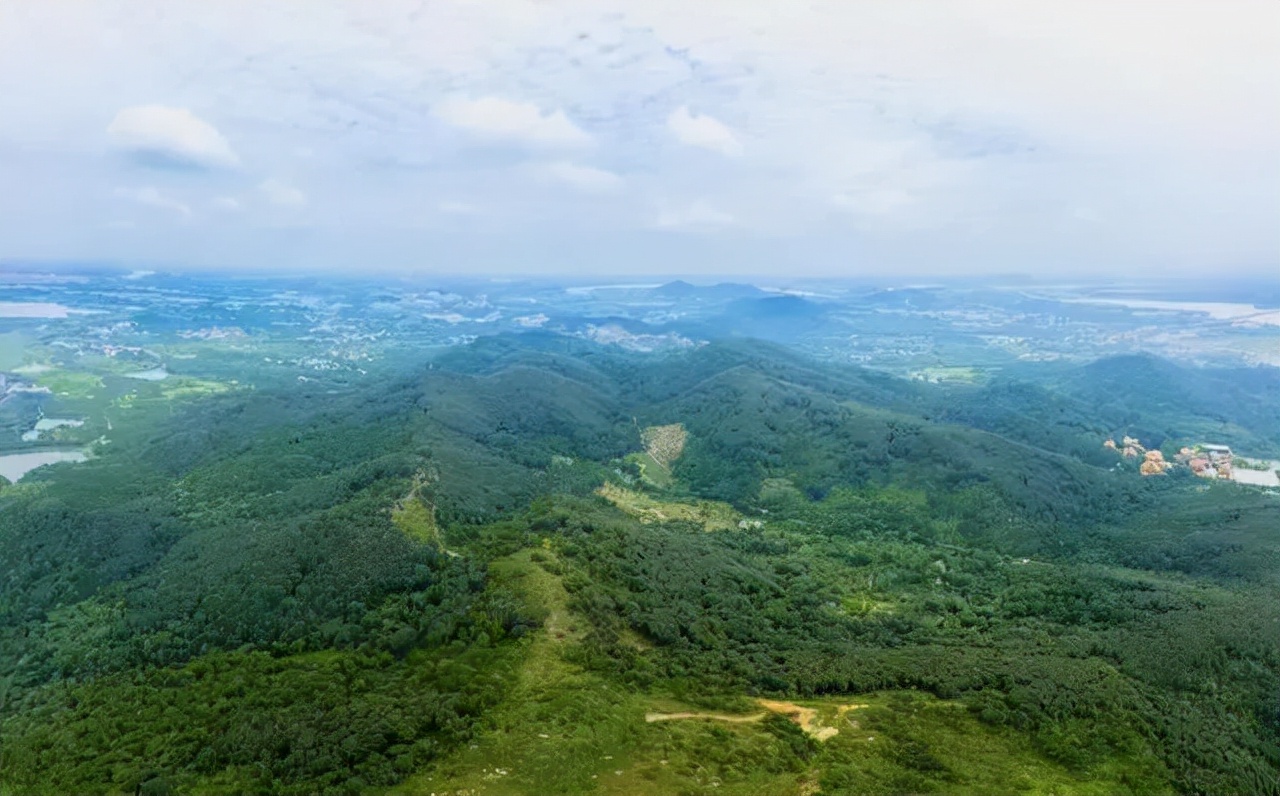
(1146, 282)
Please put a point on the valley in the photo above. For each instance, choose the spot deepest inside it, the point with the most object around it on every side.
(537, 561)
(550, 398)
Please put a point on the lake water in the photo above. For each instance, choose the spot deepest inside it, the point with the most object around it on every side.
(15, 465)
(1257, 477)
(49, 424)
(32, 309)
(1218, 310)
(155, 374)
(33, 370)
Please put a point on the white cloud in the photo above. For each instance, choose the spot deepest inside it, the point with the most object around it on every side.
(228, 204)
(521, 122)
(703, 131)
(174, 134)
(279, 193)
(583, 178)
(152, 197)
(698, 214)
(986, 122)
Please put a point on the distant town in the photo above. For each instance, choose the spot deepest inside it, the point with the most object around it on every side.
(1205, 460)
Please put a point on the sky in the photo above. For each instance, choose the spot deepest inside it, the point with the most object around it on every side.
(623, 137)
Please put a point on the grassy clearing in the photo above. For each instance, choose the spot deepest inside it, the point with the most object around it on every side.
(416, 516)
(174, 388)
(780, 490)
(662, 446)
(906, 742)
(652, 474)
(864, 603)
(69, 383)
(711, 515)
(819, 725)
(416, 519)
(954, 374)
(559, 728)
(566, 730)
(183, 387)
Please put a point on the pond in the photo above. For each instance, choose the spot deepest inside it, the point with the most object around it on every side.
(49, 424)
(15, 465)
(1267, 477)
(32, 309)
(155, 374)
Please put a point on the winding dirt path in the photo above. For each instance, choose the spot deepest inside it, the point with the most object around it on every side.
(805, 718)
(652, 717)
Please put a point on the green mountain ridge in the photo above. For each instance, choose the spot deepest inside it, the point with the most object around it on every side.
(222, 601)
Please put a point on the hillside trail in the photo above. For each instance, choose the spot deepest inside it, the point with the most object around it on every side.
(804, 717)
(652, 717)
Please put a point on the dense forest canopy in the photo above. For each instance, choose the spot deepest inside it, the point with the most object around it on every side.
(374, 589)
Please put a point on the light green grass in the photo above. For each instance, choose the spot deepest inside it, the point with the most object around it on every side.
(582, 717)
(908, 742)
(70, 383)
(183, 387)
(652, 474)
(566, 730)
(416, 519)
(710, 514)
(956, 374)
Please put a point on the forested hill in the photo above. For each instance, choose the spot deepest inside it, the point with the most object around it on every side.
(517, 550)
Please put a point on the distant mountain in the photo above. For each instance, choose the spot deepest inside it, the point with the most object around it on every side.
(774, 318)
(788, 307)
(724, 291)
(1073, 409)
(1236, 406)
(676, 289)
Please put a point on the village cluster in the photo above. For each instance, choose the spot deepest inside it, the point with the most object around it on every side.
(1206, 461)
